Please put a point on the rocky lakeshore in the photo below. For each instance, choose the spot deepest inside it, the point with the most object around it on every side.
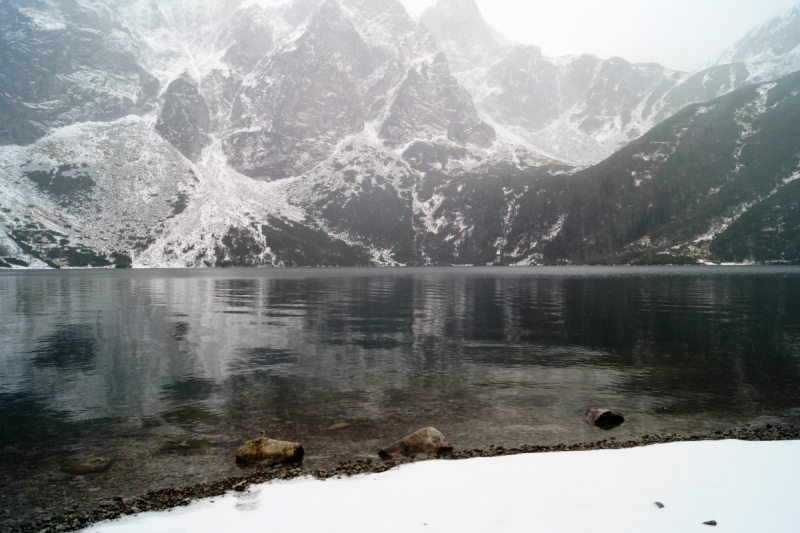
(173, 497)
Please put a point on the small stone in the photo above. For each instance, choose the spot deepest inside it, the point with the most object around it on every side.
(280, 452)
(425, 443)
(604, 418)
(710, 523)
(659, 505)
(83, 467)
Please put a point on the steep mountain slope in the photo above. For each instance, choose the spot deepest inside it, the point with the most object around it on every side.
(771, 48)
(680, 188)
(463, 34)
(66, 62)
(716, 182)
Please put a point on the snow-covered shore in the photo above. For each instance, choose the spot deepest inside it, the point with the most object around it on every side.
(743, 486)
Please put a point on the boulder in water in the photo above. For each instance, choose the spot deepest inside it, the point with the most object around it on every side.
(425, 443)
(264, 449)
(604, 418)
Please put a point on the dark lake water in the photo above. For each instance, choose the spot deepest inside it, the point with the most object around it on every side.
(169, 371)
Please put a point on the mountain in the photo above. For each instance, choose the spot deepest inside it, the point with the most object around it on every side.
(716, 181)
(772, 48)
(463, 34)
(581, 109)
(67, 62)
(187, 133)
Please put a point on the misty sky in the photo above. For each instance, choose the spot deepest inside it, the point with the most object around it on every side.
(680, 34)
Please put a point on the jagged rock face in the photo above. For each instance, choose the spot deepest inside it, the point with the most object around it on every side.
(302, 101)
(774, 41)
(462, 33)
(533, 91)
(529, 97)
(380, 22)
(579, 110)
(251, 38)
(582, 109)
(183, 120)
(65, 63)
(431, 104)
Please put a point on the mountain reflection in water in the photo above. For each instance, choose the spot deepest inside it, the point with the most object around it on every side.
(168, 371)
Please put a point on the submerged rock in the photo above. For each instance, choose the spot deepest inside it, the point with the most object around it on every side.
(604, 418)
(428, 442)
(82, 467)
(264, 449)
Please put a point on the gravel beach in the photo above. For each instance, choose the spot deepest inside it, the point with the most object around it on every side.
(180, 497)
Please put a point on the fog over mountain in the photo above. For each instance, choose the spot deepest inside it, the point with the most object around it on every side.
(318, 132)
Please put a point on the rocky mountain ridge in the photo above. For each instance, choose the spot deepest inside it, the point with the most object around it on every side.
(297, 133)
(581, 109)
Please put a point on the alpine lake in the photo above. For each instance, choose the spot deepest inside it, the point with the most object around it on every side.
(165, 373)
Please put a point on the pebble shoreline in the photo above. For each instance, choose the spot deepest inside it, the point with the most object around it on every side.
(171, 498)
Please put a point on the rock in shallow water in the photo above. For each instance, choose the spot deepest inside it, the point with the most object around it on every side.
(263, 449)
(82, 467)
(604, 418)
(425, 443)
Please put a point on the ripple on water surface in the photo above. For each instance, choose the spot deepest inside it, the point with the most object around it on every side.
(166, 372)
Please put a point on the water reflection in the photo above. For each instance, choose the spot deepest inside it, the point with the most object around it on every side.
(168, 371)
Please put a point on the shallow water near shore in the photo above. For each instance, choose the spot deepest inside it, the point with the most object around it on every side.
(167, 372)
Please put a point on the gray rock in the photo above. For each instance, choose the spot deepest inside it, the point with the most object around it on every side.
(425, 443)
(462, 32)
(264, 449)
(431, 103)
(86, 68)
(250, 35)
(301, 102)
(183, 120)
(604, 418)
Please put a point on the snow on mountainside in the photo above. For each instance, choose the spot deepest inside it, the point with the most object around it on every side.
(67, 62)
(304, 132)
(776, 41)
(463, 34)
(583, 108)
